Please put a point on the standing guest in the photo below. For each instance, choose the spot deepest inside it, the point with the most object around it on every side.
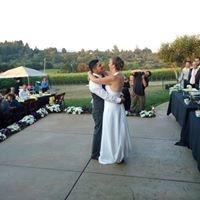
(139, 81)
(45, 84)
(24, 93)
(183, 79)
(127, 96)
(194, 79)
(18, 84)
(197, 76)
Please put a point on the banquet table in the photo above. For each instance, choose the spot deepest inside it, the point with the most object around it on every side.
(178, 107)
(191, 133)
(190, 124)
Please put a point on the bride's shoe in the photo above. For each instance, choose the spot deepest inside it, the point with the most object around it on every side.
(121, 162)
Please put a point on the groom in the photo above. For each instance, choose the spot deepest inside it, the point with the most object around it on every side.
(99, 94)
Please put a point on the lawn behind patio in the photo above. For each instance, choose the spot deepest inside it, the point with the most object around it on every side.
(79, 95)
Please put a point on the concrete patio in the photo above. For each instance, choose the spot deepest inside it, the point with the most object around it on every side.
(50, 160)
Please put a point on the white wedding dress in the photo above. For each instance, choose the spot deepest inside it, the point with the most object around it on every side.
(116, 142)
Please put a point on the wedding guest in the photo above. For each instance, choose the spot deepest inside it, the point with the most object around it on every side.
(24, 93)
(4, 111)
(12, 90)
(13, 102)
(45, 84)
(183, 79)
(194, 79)
(4, 105)
(127, 96)
(18, 84)
(14, 105)
(37, 87)
(139, 80)
(197, 76)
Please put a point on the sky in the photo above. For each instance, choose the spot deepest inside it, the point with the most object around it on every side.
(98, 24)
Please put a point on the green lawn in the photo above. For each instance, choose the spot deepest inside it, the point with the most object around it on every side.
(78, 95)
(156, 95)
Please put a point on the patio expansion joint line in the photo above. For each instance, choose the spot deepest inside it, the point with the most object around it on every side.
(86, 134)
(43, 168)
(77, 179)
(143, 177)
(154, 138)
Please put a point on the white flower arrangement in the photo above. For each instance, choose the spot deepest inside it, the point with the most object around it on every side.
(53, 108)
(2, 137)
(74, 110)
(29, 119)
(42, 112)
(148, 114)
(176, 87)
(14, 127)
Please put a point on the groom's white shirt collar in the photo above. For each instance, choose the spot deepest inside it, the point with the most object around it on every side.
(98, 75)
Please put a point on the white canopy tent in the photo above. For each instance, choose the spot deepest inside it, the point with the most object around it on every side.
(20, 72)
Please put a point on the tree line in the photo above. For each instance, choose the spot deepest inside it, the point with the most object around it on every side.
(16, 53)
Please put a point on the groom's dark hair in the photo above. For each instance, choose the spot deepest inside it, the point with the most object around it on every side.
(93, 64)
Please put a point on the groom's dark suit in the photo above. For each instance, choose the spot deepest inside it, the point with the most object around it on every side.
(97, 113)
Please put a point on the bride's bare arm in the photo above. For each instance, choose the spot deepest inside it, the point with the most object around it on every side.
(105, 80)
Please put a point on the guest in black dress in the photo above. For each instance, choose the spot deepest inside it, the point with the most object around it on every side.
(126, 94)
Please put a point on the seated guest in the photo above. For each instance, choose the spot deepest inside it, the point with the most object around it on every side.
(37, 87)
(13, 102)
(45, 84)
(24, 93)
(15, 106)
(4, 105)
(12, 90)
(4, 112)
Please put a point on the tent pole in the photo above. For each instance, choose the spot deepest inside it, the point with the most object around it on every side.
(28, 80)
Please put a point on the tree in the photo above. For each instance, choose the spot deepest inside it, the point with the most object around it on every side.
(186, 47)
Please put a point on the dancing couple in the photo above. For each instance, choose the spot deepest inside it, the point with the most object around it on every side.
(111, 139)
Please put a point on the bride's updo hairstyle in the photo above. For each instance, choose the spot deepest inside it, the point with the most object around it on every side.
(118, 62)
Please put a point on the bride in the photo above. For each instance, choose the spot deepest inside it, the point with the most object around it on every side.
(116, 141)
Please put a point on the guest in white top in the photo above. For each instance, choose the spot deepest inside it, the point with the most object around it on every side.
(24, 93)
(183, 79)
